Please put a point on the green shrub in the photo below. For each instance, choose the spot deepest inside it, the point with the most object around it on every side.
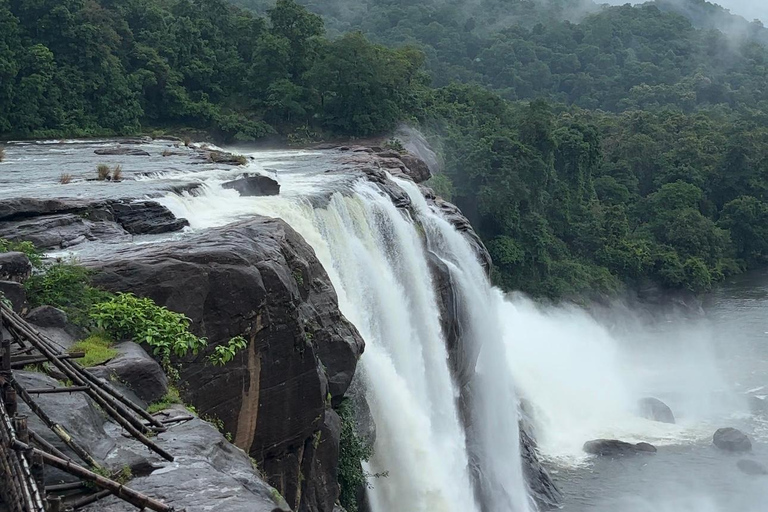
(353, 451)
(143, 321)
(223, 354)
(394, 145)
(98, 350)
(28, 248)
(65, 286)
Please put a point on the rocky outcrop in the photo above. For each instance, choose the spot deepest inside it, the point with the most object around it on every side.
(540, 485)
(758, 405)
(615, 448)
(751, 467)
(656, 410)
(731, 440)
(258, 279)
(62, 224)
(122, 151)
(47, 316)
(15, 293)
(258, 185)
(145, 217)
(136, 370)
(416, 168)
(14, 266)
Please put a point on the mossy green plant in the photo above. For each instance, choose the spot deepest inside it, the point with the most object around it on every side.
(98, 350)
(170, 398)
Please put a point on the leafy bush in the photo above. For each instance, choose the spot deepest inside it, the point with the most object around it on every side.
(223, 354)
(353, 451)
(167, 332)
(395, 145)
(98, 350)
(66, 286)
(28, 248)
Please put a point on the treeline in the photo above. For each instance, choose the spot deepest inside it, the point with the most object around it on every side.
(87, 67)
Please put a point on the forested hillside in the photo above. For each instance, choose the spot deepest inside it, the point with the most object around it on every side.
(592, 147)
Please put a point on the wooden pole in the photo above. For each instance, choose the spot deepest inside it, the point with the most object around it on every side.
(125, 493)
(48, 447)
(57, 429)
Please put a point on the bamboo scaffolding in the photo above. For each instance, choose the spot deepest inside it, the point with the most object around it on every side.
(125, 493)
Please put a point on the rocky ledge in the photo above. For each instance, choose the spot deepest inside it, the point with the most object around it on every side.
(59, 224)
(261, 280)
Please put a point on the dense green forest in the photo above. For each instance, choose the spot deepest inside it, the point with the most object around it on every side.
(592, 147)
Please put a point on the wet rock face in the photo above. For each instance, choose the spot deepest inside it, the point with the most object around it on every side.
(731, 440)
(656, 410)
(615, 448)
(57, 224)
(540, 485)
(136, 370)
(258, 279)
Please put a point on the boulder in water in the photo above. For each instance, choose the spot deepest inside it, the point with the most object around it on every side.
(146, 217)
(656, 410)
(615, 448)
(251, 186)
(732, 440)
(751, 467)
(122, 151)
(758, 406)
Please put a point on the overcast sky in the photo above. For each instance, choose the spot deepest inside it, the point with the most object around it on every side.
(749, 9)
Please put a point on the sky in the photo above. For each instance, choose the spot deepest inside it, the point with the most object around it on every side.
(749, 9)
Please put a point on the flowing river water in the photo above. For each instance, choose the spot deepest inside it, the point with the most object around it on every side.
(581, 372)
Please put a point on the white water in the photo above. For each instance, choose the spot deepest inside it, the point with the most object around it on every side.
(584, 381)
(376, 259)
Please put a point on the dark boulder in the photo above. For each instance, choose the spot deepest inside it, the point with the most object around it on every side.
(254, 186)
(15, 293)
(23, 207)
(656, 410)
(146, 217)
(59, 231)
(258, 279)
(47, 316)
(14, 266)
(122, 151)
(614, 448)
(416, 168)
(135, 369)
(732, 440)
(751, 467)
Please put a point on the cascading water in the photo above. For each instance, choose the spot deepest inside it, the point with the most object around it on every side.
(375, 256)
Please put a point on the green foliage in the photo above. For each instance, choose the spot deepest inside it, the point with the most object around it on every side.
(98, 350)
(143, 321)
(28, 248)
(222, 354)
(395, 145)
(67, 286)
(353, 451)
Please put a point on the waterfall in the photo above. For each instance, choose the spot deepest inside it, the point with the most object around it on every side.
(436, 456)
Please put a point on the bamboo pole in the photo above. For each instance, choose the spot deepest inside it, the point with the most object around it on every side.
(125, 493)
(77, 373)
(57, 429)
(48, 447)
(44, 391)
(126, 420)
(19, 467)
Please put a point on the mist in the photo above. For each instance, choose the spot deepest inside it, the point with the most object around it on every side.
(748, 9)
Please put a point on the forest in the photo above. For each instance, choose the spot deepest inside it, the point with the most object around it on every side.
(595, 149)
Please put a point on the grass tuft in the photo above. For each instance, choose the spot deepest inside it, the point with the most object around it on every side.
(98, 350)
(65, 178)
(103, 171)
(2, 154)
(117, 173)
